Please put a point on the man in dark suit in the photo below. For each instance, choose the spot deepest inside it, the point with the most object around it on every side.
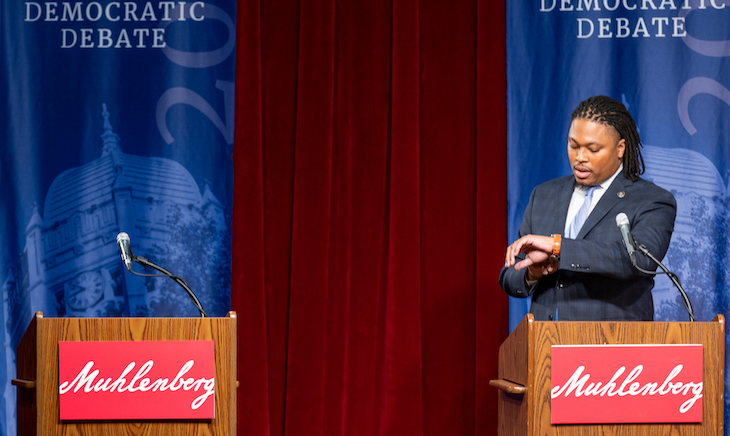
(570, 256)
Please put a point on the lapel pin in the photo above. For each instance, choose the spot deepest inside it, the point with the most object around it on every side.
(621, 194)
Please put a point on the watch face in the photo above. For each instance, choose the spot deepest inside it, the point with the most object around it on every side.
(85, 290)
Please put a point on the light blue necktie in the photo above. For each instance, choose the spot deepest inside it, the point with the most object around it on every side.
(579, 220)
(582, 215)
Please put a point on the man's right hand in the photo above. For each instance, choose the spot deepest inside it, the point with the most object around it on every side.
(539, 259)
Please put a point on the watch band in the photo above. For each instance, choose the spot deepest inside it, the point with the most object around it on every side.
(556, 244)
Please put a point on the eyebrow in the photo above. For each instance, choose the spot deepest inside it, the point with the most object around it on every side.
(571, 139)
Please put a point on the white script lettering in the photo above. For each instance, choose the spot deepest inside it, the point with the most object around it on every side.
(581, 385)
(86, 379)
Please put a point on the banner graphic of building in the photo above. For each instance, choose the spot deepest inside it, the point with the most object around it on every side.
(118, 118)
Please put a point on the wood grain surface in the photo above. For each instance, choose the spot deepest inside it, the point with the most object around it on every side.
(38, 409)
(516, 365)
(529, 414)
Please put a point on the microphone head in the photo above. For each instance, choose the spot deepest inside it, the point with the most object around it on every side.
(622, 219)
(126, 250)
(123, 236)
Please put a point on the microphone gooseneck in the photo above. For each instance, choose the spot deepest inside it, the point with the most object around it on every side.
(685, 299)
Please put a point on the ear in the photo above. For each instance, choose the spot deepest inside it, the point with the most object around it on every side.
(621, 146)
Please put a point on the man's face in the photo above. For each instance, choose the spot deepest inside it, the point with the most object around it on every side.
(594, 151)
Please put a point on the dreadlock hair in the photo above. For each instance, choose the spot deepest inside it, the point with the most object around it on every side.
(607, 111)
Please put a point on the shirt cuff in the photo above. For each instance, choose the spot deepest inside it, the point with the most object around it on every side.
(530, 283)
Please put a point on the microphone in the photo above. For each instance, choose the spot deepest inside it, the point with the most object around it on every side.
(128, 257)
(622, 222)
(123, 242)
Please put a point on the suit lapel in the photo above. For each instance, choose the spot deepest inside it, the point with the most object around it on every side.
(614, 194)
(562, 203)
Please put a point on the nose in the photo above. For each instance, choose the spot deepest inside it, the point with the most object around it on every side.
(580, 154)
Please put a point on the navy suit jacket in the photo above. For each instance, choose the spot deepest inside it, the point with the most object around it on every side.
(596, 280)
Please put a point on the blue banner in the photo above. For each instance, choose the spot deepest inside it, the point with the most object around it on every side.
(667, 61)
(118, 118)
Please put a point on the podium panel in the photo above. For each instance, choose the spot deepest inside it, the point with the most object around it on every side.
(525, 363)
(38, 378)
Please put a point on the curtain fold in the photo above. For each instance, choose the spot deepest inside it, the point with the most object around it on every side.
(247, 245)
(364, 305)
(491, 204)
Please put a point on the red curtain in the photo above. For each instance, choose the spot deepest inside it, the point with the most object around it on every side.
(369, 216)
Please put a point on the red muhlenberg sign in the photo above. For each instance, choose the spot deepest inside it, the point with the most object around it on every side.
(136, 380)
(603, 384)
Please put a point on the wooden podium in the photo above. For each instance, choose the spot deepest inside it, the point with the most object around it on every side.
(37, 369)
(524, 373)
